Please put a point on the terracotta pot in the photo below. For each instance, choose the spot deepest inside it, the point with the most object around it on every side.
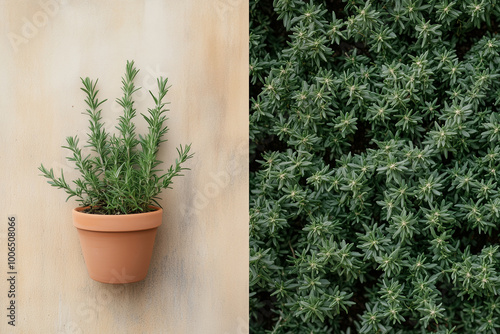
(117, 248)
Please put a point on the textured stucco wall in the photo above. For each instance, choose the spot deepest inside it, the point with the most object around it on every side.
(198, 279)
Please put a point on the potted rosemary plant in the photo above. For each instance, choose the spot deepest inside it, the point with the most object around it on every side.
(119, 185)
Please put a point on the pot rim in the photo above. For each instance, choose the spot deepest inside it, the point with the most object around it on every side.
(117, 223)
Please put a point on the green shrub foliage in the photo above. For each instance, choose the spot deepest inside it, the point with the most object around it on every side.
(374, 204)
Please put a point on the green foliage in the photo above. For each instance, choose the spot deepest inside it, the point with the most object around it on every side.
(374, 205)
(121, 174)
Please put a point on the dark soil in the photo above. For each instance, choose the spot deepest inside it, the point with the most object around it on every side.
(100, 211)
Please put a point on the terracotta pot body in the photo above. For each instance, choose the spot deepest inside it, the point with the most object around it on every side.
(117, 248)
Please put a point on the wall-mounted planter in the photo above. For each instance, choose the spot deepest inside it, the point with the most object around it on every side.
(117, 248)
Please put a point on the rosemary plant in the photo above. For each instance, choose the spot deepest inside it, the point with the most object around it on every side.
(374, 166)
(122, 174)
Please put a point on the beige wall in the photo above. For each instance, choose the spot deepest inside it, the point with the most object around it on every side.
(198, 279)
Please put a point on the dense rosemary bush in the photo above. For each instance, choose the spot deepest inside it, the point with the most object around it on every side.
(122, 175)
(374, 163)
